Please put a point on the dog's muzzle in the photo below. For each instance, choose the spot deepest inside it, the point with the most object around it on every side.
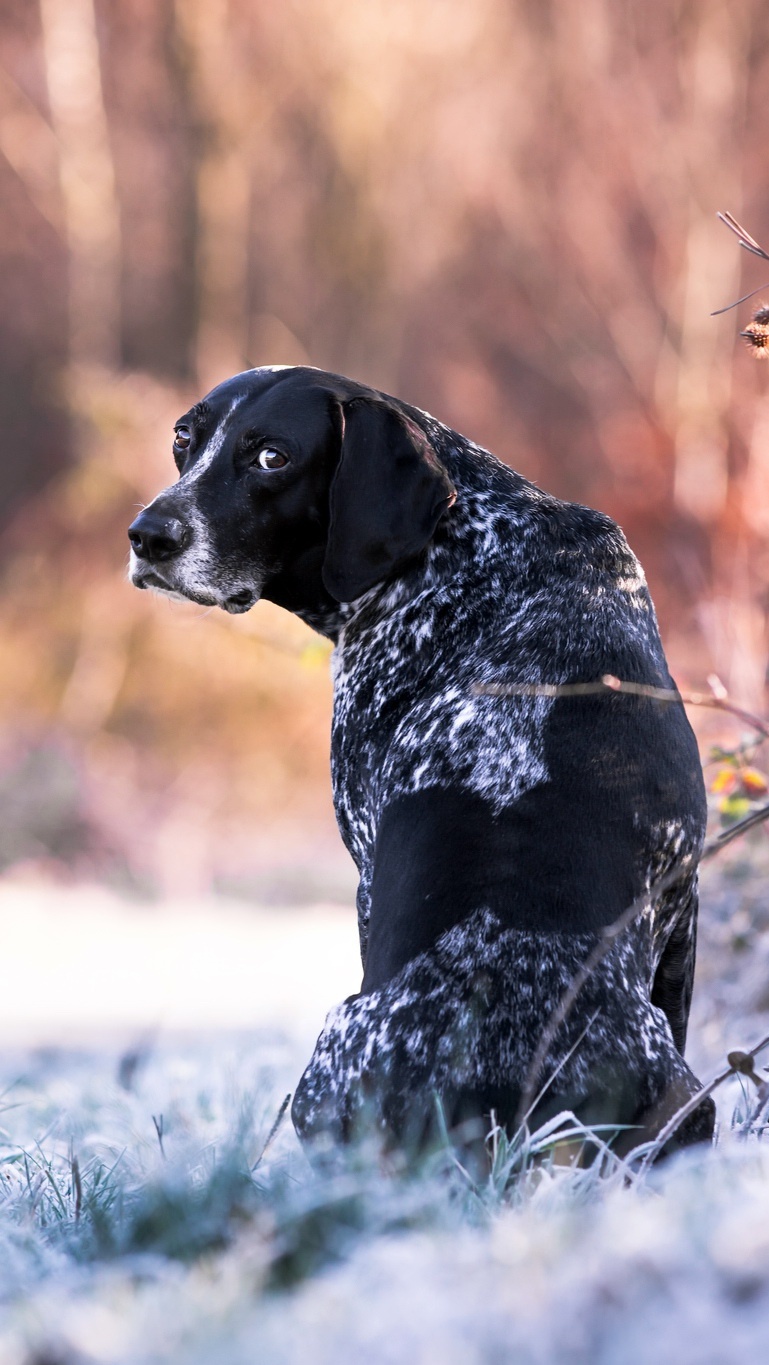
(156, 539)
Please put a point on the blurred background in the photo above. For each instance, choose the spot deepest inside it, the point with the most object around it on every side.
(502, 212)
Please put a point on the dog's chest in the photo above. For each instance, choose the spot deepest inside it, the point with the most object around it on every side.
(376, 677)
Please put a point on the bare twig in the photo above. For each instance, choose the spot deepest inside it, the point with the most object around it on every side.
(718, 311)
(608, 684)
(747, 243)
(737, 1063)
(727, 836)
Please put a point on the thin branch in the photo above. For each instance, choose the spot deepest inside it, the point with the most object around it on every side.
(718, 311)
(608, 683)
(747, 242)
(727, 836)
(736, 1064)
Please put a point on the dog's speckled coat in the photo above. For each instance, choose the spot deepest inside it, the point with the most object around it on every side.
(494, 836)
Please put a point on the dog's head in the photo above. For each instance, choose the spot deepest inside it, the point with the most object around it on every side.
(295, 485)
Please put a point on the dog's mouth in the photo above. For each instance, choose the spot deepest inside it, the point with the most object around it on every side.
(155, 583)
(235, 603)
(239, 602)
(152, 580)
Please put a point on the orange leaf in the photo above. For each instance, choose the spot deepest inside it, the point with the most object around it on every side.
(753, 781)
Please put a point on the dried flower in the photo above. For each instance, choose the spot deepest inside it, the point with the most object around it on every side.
(757, 336)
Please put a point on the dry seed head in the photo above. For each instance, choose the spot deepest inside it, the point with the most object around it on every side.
(742, 1062)
(757, 336)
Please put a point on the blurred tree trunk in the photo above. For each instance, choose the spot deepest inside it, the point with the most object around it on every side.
(33, 262)
(29, 145)
(223, 106)
(714, 74)
(90, 206)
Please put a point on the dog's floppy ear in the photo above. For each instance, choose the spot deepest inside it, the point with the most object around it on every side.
(387, 497)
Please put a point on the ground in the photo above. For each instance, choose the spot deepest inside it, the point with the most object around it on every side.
(145, 1217)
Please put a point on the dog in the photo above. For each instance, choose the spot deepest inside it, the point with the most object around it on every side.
(498, 827)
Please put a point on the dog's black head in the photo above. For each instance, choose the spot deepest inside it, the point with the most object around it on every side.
(295, 485)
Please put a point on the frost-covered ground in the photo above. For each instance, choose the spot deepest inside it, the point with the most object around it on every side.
(141, 1219)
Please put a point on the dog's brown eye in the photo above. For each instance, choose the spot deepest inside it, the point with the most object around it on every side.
(271, 459)
(182, 440)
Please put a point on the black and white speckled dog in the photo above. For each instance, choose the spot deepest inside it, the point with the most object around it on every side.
(495, 836)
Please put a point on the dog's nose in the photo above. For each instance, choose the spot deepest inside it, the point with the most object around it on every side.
(155, 537)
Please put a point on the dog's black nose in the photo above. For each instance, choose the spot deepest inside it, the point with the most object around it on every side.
(155, 537)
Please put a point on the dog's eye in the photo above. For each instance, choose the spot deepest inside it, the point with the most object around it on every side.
(182, 440)
(271, 459)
